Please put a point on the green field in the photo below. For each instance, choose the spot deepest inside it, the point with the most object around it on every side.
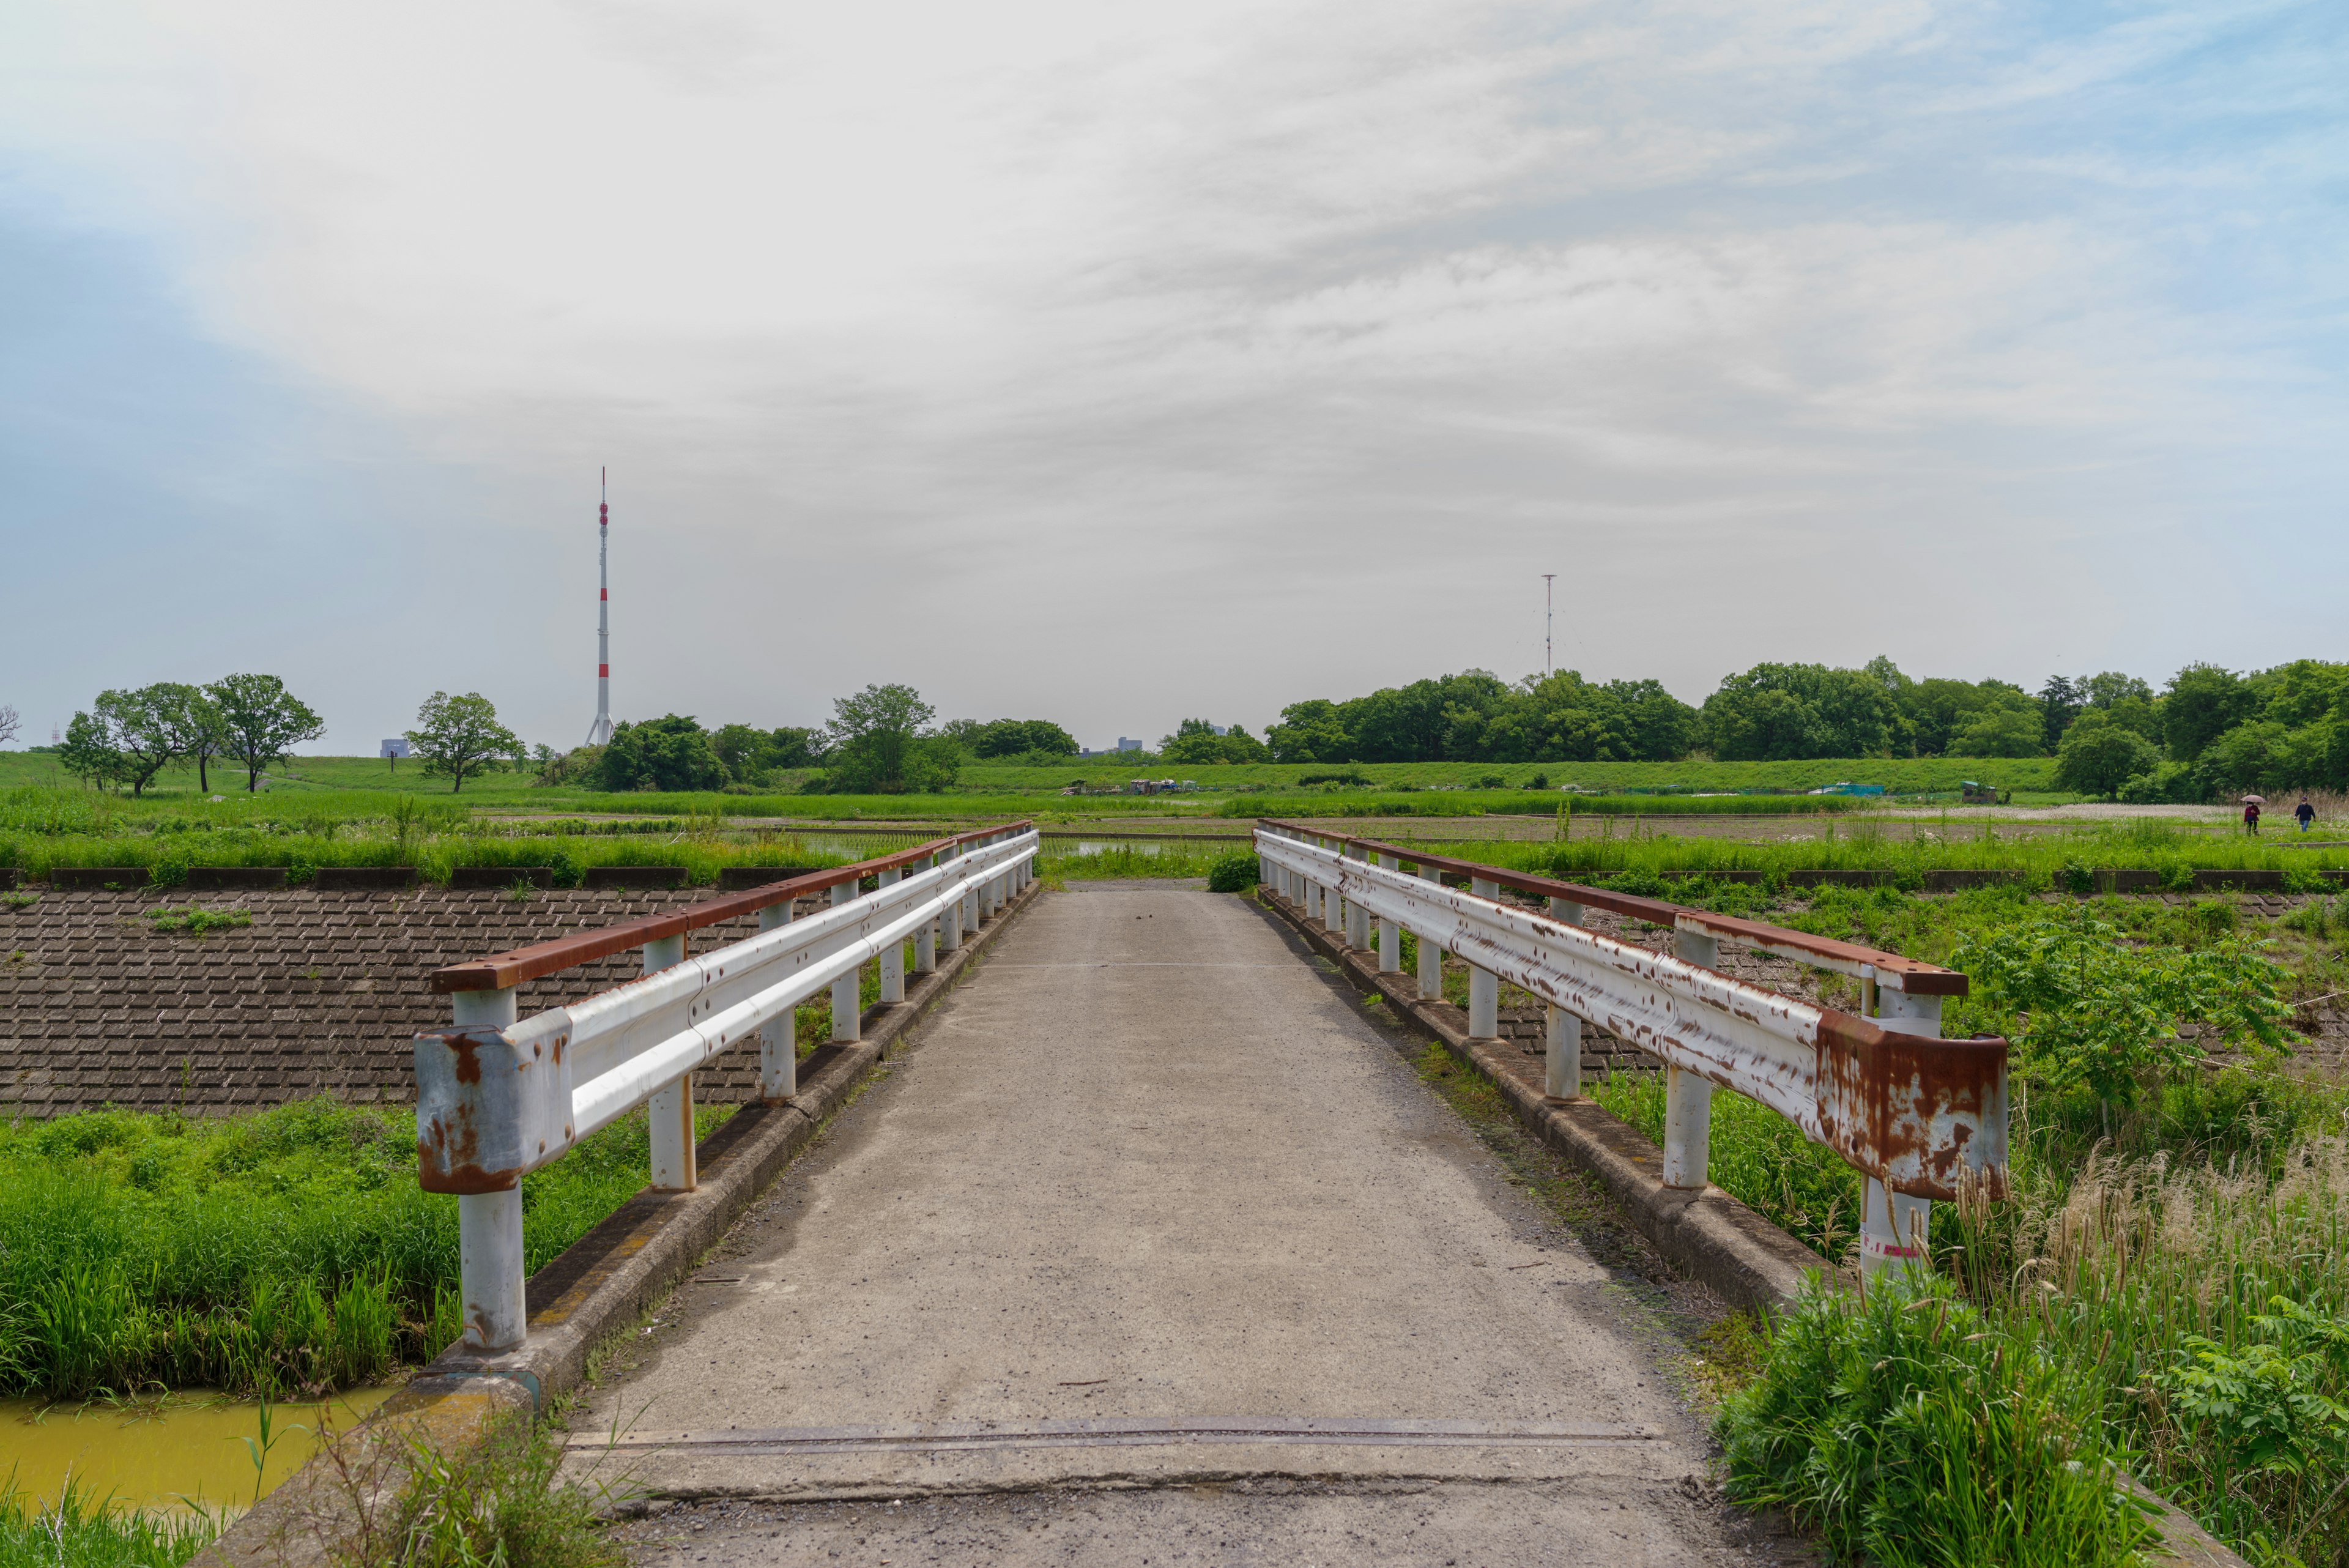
(992, 782)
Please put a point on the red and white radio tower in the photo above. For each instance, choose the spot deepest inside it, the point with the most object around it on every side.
(600, 731)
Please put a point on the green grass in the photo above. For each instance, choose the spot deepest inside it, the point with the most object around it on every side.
(283, 1251)
(1129, 860)
(81, 1532)
(1642, 861)
(1910, 1432)
(1505, 802)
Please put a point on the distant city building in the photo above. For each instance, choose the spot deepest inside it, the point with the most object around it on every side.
(1125, 746)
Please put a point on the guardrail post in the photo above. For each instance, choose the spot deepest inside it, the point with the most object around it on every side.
(1894, 1227)
(949, 918)
(1431, 952)
(1562, 1053)
(925, 942)
(779, 1045)
(1390, 932)
(1688, 1098)
(1333, 906)
(848, 991)
(1358, 918)
(675, 1166)
(1484, 985)
(488, 1224)
(893, 962)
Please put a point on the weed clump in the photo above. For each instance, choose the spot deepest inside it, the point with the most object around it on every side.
(195, 920)
(1905, 1432)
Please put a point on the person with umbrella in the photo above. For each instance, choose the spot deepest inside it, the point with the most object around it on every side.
(2252, 804)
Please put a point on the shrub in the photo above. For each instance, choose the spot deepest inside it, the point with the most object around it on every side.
(1235, 872)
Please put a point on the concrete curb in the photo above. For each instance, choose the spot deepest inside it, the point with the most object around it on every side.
(599, 1285)
(1741, 1256)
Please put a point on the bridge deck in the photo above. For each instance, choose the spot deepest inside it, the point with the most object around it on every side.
(1153, 1206)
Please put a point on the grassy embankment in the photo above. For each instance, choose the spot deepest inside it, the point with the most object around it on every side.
(1645, 861)
(2165, 1291)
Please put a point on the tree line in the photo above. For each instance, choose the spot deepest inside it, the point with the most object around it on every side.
(880, 740)
(2206, 732)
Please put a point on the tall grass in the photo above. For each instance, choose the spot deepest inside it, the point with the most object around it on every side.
(1909, 1432)
(78, 1531)
(289, 1250)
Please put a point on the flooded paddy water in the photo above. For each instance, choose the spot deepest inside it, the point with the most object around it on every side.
(176, 1451)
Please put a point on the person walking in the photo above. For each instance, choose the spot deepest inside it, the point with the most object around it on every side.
(2305, 812)
(2251, 816)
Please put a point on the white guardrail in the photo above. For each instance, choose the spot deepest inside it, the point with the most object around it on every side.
(499, 1096)
(1910, 1111)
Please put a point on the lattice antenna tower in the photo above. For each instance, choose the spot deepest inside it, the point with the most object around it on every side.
(600, 731)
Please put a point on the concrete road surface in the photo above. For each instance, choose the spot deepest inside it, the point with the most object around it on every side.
(1155, 1250)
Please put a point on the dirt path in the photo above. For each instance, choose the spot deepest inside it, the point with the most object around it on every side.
(1156, 1250)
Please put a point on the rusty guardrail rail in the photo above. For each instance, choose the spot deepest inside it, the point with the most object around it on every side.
(499, 1096)
(1915, 1114)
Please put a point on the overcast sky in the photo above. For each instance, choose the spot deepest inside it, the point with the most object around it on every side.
(1115, 364)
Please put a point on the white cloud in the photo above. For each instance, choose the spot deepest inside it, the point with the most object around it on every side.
(1169, 317)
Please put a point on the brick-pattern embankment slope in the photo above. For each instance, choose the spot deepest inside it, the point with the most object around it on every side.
(320, 995)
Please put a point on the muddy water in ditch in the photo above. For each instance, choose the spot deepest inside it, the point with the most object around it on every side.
(165, 1453)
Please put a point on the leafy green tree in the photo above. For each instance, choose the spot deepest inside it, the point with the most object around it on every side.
(458, 736)
(2202, 703)
(2297, 694)
(153, 727)
(2098, 756)
(1775, 712)
(89, 752)
(670, 752)
(2060, 702)
(1310, 732)
(1999, 731)
(751, 755)
(1194, 741)
(877, 743)
(1012, 738)
(261, 722)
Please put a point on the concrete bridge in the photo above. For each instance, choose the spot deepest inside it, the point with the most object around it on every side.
(1156, 1249)
(1125, 1229)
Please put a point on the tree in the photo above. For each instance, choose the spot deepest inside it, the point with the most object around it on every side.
(8, 723)
(2203, 702)
(261, 722)
(1310, 732)
(1020, 737)
(1775, 712)
(2060, 702)
(462, 736)
(670, 752)
(876, 744)
(1999, 731)
(89, 752)
(152, 727)
(2098, 756)
(1194, 741)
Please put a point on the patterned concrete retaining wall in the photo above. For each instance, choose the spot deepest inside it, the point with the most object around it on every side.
(320, 994)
